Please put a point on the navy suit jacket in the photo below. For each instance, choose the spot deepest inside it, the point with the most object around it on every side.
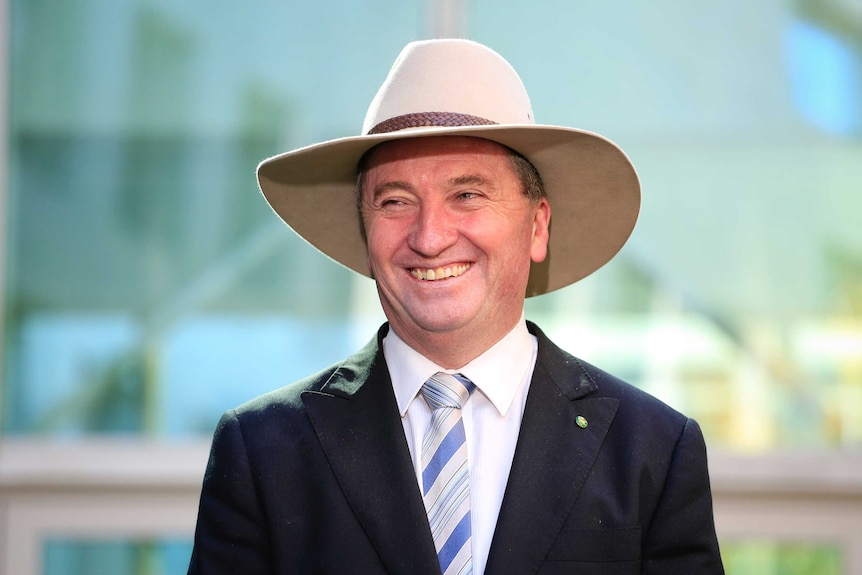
(316, 477)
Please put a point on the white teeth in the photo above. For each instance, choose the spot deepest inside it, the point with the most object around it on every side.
(432, 274)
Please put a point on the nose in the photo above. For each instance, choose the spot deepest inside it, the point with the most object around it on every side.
(433, 231)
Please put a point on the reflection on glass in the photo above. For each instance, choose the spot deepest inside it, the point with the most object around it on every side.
(771, 558)
(78, 557)
(149, 288)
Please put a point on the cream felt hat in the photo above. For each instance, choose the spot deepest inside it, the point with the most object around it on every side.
(460, 87)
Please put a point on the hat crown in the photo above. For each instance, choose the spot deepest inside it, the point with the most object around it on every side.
(451, 76)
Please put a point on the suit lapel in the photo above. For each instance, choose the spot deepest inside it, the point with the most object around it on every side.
(358, 425)
(552, 460)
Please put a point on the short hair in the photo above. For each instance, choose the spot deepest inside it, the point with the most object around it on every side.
(524, 170)
(530, 178)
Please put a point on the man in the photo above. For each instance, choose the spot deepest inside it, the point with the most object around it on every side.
(460, 439)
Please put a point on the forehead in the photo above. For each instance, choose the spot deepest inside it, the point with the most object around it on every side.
(461, 148)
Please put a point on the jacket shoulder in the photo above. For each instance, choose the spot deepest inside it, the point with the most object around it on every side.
(344, 377)
(579, 378)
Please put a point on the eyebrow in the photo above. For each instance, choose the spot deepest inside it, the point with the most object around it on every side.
(388, 186)
(468, 180)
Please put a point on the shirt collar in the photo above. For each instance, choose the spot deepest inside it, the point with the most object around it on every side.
(497, 373)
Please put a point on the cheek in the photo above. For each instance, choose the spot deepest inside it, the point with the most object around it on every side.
(383, 239)
(372, 245)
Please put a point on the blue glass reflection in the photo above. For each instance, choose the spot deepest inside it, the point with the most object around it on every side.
(826, 77)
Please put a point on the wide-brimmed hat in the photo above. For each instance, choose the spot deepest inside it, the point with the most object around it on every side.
(460, 87)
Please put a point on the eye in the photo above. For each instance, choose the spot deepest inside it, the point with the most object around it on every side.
(389, 200)
(393, 203)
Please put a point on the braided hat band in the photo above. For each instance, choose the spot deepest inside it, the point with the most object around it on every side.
(427, 119)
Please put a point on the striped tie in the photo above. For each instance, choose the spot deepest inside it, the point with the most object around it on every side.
(445, 475)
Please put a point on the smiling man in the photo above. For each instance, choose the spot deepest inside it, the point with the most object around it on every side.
(460, 439)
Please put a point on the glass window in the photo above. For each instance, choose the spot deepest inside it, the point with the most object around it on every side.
(144, 263)
(142, 260)
(81, 557)
(738, 298)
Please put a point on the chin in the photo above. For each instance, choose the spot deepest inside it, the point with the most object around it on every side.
(439, 323)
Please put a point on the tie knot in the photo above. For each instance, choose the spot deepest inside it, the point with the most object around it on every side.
(445, 390)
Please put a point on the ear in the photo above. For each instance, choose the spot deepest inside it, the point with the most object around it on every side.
(541, 231)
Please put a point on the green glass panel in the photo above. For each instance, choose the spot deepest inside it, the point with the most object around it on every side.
(782, 558)
(115, 557)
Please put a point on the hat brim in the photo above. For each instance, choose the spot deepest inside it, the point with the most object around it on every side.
(591, 185)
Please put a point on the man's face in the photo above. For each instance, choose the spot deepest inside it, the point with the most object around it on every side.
(450, 238)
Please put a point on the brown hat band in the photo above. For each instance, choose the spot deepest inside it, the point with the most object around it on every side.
(423, 119)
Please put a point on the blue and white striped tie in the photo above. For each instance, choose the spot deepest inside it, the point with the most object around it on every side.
(445, 474)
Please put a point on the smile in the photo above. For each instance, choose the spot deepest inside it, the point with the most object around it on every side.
(440, 273)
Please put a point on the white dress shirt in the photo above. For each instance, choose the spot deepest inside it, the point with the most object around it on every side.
(492, 418)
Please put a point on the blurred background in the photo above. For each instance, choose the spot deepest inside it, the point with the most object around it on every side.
(147, 287)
